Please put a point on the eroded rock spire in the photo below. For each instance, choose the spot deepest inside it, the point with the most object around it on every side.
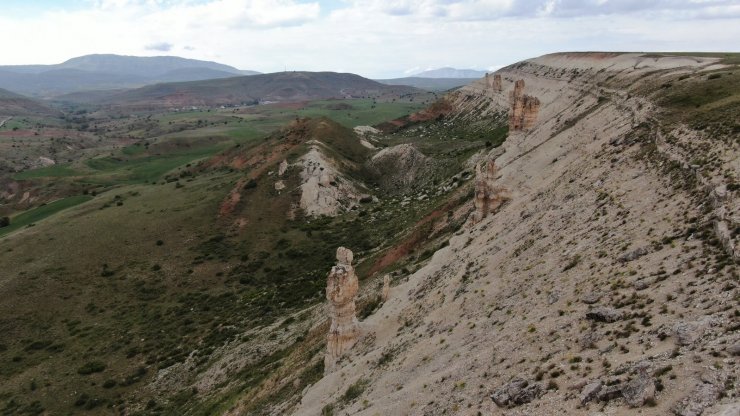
(488, 196)
(341, 289)
(524, 108)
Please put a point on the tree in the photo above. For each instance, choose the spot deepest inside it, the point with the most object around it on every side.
(4, 222)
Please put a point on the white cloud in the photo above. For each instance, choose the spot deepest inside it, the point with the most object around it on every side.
(371, 37)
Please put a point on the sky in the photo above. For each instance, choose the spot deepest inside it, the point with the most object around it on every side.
(373, 38)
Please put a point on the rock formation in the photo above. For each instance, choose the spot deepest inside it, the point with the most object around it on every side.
(488, 196)
(493, 81)
(324, 191)
(341, 288)
(386, 287)
(282, 167)
(524, 108)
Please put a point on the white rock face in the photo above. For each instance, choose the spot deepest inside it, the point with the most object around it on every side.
(324, 191)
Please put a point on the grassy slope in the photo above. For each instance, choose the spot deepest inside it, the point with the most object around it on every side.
(92, 284)
(32, 216)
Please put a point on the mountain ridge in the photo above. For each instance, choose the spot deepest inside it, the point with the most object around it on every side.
(108, 71)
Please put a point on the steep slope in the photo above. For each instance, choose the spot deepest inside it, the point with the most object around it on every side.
(605, 279)
(199, 286)
(276, 87)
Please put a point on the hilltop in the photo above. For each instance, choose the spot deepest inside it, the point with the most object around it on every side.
(95, 72)
(448, 72)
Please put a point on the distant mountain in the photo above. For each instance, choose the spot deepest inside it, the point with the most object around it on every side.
(429, 84)
(12, 105)
(275, 87)
(96, 72)
(451, 73)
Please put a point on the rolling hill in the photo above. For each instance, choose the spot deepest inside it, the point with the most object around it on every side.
(95, 72)
(275, 87)
(429, 84)
(448, 72)
(12, 105)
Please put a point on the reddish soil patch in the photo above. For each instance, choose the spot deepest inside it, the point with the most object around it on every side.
(423, 231)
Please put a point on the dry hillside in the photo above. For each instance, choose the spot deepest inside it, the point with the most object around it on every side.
(607, 280)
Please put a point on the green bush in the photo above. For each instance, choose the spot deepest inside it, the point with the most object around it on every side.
(91, 367)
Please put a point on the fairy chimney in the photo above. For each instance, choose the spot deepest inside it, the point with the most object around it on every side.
(341, 289)
(488, 197)
(524, 108)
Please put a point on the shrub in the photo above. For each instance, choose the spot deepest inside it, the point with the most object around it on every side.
(91, 367)
(4, 222)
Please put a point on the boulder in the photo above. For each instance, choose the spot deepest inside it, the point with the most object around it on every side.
(632, 255)
(590, 391)
(640, 391)
(591, 298)
(604, 314)
(516, 392)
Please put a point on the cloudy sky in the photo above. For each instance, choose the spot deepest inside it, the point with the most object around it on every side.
(374, 38)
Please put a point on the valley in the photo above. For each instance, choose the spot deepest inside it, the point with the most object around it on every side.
(557, 237)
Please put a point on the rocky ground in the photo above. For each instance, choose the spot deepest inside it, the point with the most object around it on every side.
(602, 285)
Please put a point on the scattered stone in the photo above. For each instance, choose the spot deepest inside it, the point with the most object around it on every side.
(515, 393)
(641, 284)
(591, 298)
(685, 333)
(703, 396)
(732, 409)
(610, 393)
(640, 391)
(589, 340)
(279, 185)
(552, 297)
(632, 255)
(590, 391)
(604, 314)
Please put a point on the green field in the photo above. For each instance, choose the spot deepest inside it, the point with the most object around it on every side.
(55, 171)
(34, 215)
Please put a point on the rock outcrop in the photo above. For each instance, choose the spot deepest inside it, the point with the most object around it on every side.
(341, 289)
(488, 196)
(282, 167)
(493, 81)
(515, 393)
(386, 288)
(523, 108)
(324, 191)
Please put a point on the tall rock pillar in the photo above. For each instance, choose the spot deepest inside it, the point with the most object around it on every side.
(523, 108)
(488, 196)
(341, 289)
